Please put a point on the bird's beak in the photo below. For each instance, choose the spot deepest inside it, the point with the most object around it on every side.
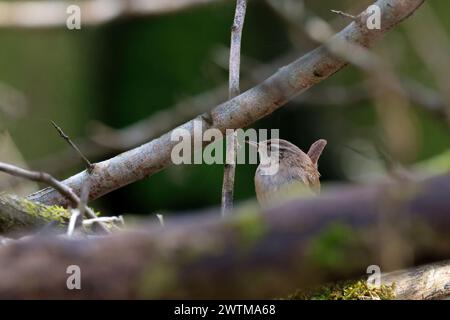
(252, 143)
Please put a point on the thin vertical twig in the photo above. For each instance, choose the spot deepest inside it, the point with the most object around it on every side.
(74, 220)
(84, 197)
(234, 90)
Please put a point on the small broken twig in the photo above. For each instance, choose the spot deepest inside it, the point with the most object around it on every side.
(84, 198)
(89, 165)
(341, 13)
(160, 219)
(77, 214)
(73, 222)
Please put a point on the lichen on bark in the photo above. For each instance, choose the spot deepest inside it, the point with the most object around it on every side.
(19, 214)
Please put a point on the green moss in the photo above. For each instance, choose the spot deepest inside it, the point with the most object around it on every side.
(249, 226)
(157, 279)
(333, 245)
(18, 214)
(350, 290)
(49, 213)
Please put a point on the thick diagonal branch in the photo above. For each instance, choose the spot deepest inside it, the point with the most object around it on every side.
(241, 111)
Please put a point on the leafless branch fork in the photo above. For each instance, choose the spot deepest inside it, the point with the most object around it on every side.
(239, 112)
(61, 188)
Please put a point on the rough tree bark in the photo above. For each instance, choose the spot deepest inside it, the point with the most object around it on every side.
(252, 254)
(239, 112)
(431, 281)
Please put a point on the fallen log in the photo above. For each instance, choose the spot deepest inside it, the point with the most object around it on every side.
(431, 281)
(252, 254)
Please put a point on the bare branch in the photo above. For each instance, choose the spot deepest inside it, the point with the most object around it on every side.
(73, 222)
(239, 112)
(89, 165)
(390, 98)
(104, 140)
(77, 214)
(235, 48)
(341, 13)
(321, 31)
(234, 90)
(84, 198)
(43, 177)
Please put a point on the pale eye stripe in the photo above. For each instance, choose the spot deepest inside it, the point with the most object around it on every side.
(289, 148)
(283, 146)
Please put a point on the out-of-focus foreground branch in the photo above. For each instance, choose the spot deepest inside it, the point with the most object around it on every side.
(45, 14)
(251, 254)
(241, 111)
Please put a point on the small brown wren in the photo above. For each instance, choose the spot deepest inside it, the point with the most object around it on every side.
(297, 172)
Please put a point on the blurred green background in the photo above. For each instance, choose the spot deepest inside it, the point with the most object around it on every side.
(127, 70)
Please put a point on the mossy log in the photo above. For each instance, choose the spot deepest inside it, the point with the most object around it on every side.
(20, 215)
(431, 281)
(252, 254)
